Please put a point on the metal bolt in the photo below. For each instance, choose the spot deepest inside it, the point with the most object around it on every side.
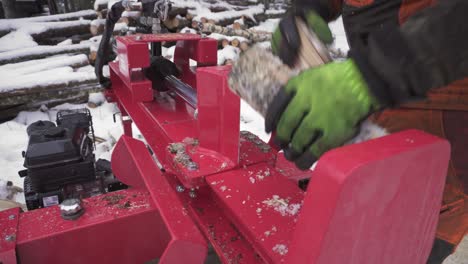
(71, 209)
(192, 193)
(180, 188)
(192, 166)
(10, 238)
(11, 217)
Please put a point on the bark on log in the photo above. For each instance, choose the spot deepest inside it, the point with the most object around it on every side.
(4, 32)
(9, 9)
(36, 66)
(224, 43)
(264, 16)
(40, 52)
(244, 45)
(102, 14)
(176, 24)
(72, 97)
(252, 35)
(100, 7)
(84, 14)
(235, 43)
(65, 31)
(45, 92)
(53, 9)
(23, 22)
(92, 57)
(76, 39)
(177, 11)
(97, 26)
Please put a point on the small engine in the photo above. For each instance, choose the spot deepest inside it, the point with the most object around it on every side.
(60, 162)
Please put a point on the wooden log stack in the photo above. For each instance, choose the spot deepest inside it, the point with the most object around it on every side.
(67, 44)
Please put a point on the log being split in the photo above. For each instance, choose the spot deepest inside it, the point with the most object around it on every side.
(258, 75)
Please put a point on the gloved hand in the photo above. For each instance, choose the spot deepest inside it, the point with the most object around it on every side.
(285, 41)
(318, 110)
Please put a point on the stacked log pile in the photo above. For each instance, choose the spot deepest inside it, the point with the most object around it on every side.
(55, 64)
(51, 68)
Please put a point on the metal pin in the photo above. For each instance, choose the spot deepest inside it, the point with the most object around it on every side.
(71, 209)
(192, 166)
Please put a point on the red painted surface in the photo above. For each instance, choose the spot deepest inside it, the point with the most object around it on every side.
(245, 193)
(375, 202)
(185, 236)
(218, 113)
(114, 229)
(8, 235)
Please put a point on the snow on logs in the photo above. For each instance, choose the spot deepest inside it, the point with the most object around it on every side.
(8, 25)
(39, 52)
(51, 81)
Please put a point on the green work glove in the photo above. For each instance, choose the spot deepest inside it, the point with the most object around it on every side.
(318, 110)
(286, 41)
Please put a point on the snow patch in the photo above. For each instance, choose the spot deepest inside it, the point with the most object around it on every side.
(16, 40)
(13, 24)
(65, 42)
(228, 53)
(268, 25)
(45, 78)
(96, 98)
(29, 117)
(39, 49)
(16, 69)
(340, 42)
(188, 30)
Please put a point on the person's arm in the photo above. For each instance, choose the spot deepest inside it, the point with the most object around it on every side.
(322, 107)
(429, 51)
